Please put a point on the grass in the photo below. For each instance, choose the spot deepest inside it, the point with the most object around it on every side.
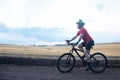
(29, 55)
(31, 51)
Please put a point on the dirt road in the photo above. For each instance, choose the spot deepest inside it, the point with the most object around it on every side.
(24, 72)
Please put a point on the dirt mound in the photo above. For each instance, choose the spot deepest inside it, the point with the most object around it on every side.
(47, 61)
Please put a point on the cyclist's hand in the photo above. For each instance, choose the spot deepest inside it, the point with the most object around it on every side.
(68, 41)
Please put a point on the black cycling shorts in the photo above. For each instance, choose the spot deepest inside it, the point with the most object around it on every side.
(88, 45)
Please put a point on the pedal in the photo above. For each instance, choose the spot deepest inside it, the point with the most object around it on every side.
(87, 69)
(87, 66)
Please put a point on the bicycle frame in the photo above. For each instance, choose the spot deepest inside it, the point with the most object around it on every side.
(76, 51)
(81, 57)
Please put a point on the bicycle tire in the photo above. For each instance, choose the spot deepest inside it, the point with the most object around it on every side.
(67, 65)
(96, 62)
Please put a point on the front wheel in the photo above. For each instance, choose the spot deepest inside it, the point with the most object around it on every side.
(66, 62)
(98, 62)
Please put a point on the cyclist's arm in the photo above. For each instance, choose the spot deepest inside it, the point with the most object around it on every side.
(81, 36)
(74, 37)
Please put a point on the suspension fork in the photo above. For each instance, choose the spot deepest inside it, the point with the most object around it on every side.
(69, 57)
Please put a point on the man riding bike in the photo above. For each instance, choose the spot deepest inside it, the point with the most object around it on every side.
(88, 41)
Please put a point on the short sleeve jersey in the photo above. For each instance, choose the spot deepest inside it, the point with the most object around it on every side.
(86, 38)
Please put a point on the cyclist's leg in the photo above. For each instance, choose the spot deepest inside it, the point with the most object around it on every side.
(87, 50)
(80, 46)
(87, 56)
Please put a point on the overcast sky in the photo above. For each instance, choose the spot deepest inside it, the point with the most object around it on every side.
(102, 18)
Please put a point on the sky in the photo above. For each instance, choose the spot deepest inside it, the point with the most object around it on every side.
(48, 22)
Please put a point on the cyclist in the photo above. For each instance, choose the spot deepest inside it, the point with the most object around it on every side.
(88, 42)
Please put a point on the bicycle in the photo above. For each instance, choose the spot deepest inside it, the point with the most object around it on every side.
(66, 62)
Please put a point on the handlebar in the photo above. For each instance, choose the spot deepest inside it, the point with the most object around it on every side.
(68, 43)
(73, 45)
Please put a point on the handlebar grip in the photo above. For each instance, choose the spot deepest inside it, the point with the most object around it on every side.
(67, 41)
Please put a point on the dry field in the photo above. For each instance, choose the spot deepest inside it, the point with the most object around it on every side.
(30, 51)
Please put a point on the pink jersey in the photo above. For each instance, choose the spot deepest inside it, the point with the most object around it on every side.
(86, 38)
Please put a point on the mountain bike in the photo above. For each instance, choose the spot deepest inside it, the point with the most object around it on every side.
(66, 62)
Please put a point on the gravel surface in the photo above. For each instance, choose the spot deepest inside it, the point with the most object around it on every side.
(29, 72)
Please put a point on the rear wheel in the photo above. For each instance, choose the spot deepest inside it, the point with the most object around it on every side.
(98, 62)
(66, 62)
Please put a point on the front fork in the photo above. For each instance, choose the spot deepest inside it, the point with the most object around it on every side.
(69, 57)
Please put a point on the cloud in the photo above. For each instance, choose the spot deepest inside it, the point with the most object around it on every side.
(40, 13)
(51, 35)
(45, 21)
(27, 36)
(43, 36)
(58, 13)
(18, 39)
(105, 37)
(3, 28)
